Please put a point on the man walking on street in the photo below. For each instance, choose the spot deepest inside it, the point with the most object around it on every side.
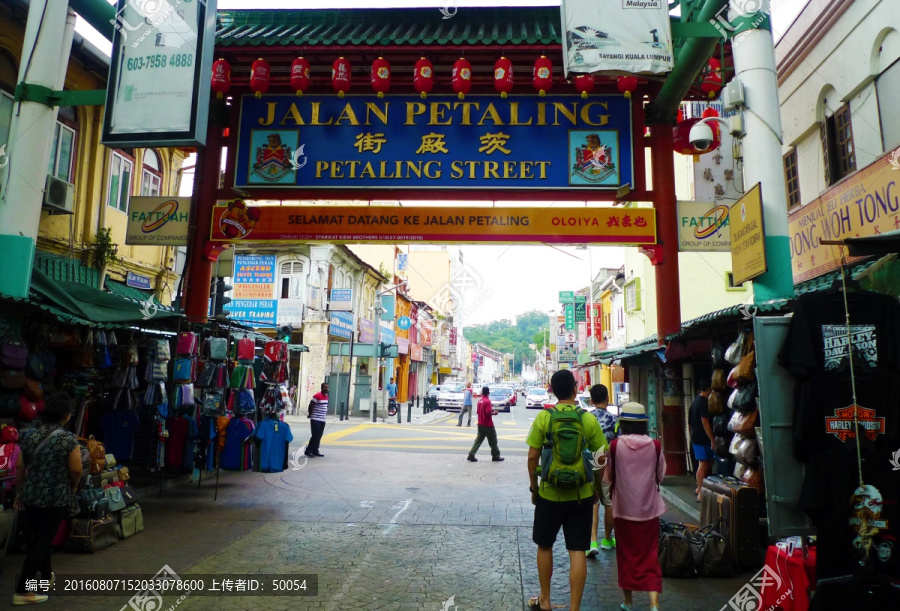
(486, 413)
(565, 496)
(700, 428)
(392, 390)
(316, 412)
(600, 400)
(467, 404)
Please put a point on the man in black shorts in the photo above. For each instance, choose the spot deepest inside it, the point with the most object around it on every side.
(554, 507)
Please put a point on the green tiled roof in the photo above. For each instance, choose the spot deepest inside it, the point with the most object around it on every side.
(473, 26)
(122, 289)
(66, 269)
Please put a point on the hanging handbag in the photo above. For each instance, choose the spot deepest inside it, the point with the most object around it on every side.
(131, 355)
(246, 349)
(13, 353)
(719, 379)
(746, 452)
(85, 356)
(102, 358)
(12, 379)
(718, 357)
(743, 424)
(64, 338)
(187, 395)
(716, 403)
(218, 348)
(746, 369)
(33, 390)
(752, 476)
(745, 398)
(162, 350)
(28, 410)
(207, 375)
(184, 370)
(735, 350)
(238, 377)
(187, 344)
(212, 402)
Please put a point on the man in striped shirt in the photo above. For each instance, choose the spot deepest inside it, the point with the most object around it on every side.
(318, 409)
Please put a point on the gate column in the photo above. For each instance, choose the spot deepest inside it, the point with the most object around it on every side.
(668, 294)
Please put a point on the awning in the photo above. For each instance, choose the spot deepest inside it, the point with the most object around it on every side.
(874, 245)
(93, 305)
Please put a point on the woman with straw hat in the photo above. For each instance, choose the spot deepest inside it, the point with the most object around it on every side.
(634, 469)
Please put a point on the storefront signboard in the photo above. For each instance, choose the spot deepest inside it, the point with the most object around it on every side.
(137, 281)
(353, 224)
(415, 352)
(341, 325)
(405, 142)
(290, 312)
(158, 221)
(341, 300)
(703, 227)
(866, 203)
(403, 345)
(366, 331)
(748, 237)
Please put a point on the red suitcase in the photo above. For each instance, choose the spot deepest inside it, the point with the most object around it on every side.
(738, 505)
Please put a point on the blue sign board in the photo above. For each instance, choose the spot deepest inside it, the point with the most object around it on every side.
(404, 142)
(402, 261)
(386, 335)
(387, 304)
(254, 269)
(254, 312)
(136, 281)
(404, 323)
(341, 325)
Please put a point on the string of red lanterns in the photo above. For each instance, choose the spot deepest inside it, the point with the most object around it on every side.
(423, 77)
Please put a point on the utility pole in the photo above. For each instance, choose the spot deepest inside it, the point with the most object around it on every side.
(754, 64)
(379, 310)
(45, 58)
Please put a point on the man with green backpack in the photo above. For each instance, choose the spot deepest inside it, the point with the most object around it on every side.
(561, 444)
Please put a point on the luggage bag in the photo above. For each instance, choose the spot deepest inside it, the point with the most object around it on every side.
(737, 504)
(131, 522)
(90, 536)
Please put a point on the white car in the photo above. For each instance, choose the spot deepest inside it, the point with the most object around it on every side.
(537, 398)
(450, 396)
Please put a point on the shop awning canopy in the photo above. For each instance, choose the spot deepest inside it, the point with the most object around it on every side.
(874, 245)
(93, 305)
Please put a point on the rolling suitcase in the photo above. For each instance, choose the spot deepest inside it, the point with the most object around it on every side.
(738, 505)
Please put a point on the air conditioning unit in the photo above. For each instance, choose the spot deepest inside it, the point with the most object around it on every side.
(59, 196)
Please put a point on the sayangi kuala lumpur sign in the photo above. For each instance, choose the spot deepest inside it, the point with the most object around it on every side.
(405, 142)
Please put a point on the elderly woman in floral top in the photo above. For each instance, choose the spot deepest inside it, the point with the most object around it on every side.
(47, 474)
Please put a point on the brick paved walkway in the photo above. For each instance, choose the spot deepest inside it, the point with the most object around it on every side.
(383, 530)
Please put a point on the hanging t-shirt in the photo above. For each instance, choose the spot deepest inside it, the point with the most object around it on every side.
(817, 338)
(119, 428)
(233, 455)
(275, 436)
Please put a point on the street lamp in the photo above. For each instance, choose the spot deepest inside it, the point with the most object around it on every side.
(376, 350)
(590, 313)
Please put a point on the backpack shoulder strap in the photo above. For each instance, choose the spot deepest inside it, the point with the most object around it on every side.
(612, 465)
(658, 452)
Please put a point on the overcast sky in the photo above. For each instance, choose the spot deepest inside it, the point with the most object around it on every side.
(515, 279)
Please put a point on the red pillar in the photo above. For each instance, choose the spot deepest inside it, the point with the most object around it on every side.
(199, 265)
(668, 294)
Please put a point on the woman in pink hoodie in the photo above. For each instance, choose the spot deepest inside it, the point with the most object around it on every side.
(635, 468)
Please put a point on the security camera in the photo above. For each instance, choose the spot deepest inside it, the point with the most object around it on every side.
(701, 136)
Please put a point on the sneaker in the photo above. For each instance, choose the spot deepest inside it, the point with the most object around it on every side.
(471, 458)
(29, 599)
(608, 543)
(595, 549)
(498, 459)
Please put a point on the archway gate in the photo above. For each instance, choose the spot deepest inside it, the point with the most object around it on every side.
(562, 147)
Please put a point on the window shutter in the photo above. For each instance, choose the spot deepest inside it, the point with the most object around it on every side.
(823, 135)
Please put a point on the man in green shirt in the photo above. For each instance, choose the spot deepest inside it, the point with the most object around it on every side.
(569, 509)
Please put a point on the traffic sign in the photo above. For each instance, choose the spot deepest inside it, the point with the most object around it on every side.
(566, 296)
(404, 323)
(580, 298)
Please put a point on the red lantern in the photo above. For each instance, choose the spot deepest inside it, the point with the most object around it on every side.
(584, 83)
(627, 84)
(423, 77)
(543, 75)
(461, 79)
(300, 75)
(503, 76)
(259, 77)
(381, 76)
(712, 78)
(340, 76)
(221, 77)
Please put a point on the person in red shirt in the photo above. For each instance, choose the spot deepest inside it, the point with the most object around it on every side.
(486, 413)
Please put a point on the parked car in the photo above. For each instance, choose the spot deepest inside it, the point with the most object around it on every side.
(450, 396)
(501, 397)
(536, 398)
(433, 391)
(511, 390)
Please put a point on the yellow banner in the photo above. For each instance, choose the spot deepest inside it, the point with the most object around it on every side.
(868, 203)
(237, 222)
(748, 237)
